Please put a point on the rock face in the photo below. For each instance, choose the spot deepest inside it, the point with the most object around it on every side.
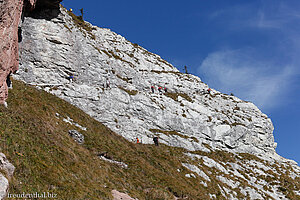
(78, 137)
(8, 169)
(110, 78)
(10, 14)
(120, 196)
(10, 24)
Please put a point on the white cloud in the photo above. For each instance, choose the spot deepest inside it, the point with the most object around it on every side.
(264, 15)
(262, 72)
(239, 72)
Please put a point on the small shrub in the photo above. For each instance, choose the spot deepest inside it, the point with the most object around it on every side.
(237, 123)
(122, 78)
(209, 119)
(174, 96)
(130, 92)
(81, 24)
(67, 28)
(168, 133)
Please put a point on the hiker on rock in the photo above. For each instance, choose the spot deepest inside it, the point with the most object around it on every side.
(166, 90)
(159, 89)
(208, 91)
(152, 89)
(155, 140)
(71, 78)
(137, 140)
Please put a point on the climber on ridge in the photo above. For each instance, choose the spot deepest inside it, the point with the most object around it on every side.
(208, 91)
(166, 90)
(159, 89)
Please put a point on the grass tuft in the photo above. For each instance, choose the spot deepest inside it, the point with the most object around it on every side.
(174, 96)
(81, 24)
(130, 92)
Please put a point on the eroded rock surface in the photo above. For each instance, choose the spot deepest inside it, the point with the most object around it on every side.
(109, 78)
(120, 196)
(7, 170)
(78, 137)
(112, 79)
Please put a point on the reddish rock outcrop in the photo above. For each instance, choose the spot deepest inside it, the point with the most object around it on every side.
(10, 15)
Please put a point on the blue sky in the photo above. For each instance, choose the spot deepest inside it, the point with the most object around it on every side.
(250, 48)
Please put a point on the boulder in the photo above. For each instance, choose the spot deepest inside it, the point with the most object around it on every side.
(78, 137)
(6, 173)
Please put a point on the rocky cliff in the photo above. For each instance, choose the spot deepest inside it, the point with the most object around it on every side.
(112, 80)
(11, 13)
(184, 116)
(11, 16)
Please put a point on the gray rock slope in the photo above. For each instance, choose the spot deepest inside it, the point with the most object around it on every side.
(185, 117)
(53, 49)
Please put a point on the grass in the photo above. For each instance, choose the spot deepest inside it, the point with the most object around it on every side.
(173, 133)
(47, 159)
(130, 92)
(81, 24)
(166, 72)
(66, 26)
(111, 54)
(124, 79)
(175, 96)
(119, 58)
(53, 162)
(233, 124)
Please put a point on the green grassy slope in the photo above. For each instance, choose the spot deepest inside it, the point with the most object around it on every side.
(47, 159)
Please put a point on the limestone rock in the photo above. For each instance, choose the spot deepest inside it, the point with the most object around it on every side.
(120, 164)
(78, 137)
(185, 116)
(120, 196)
(6, 166)
(112, 83)
(3, 186)
(8, 169)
